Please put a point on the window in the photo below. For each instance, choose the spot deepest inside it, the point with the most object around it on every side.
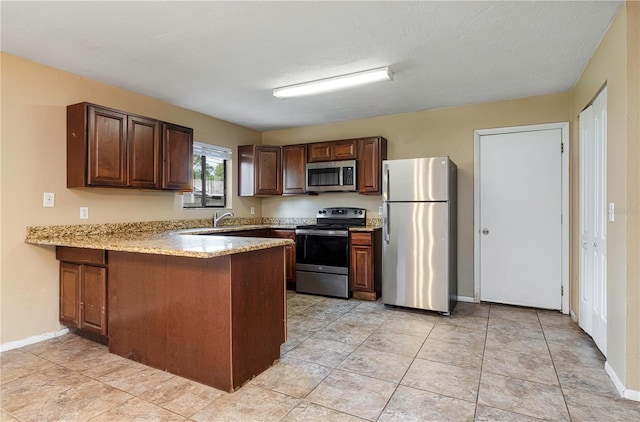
(209, 177)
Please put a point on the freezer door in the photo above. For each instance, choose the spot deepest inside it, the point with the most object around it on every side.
(420, 179)
(415, 259)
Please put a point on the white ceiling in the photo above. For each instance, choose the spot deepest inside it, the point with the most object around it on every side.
(224, 58)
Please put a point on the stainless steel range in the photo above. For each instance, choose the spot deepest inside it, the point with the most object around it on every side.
(322, 252)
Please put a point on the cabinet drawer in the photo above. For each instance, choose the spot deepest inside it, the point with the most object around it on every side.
(361, 239)
(81, 255)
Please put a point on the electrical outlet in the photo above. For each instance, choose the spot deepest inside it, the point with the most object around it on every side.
(48, 199)
(84, 213)
(253, 210)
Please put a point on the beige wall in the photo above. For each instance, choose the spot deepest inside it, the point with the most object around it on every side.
(633, 196)
(616, 63)
(448, 131)
(34, 100)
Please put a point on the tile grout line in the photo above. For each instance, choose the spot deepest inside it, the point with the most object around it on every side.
(564, 398)
(332, 369)
(405, 373)
(484, 348)
(507, 376)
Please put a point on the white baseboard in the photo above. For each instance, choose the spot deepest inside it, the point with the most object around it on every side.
(632, 395)
(32, 340)
(624, 392)
(465, 299)
(614, 377)
(573, 316)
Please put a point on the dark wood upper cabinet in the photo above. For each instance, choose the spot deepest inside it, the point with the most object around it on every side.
(333, 150)
(345, 150)
(111, 148)
(177, 149)
(268, 171)
(319, 151)
(259, 170)
(107, 152)
(143, 141)
(371, 152)
(294, 169)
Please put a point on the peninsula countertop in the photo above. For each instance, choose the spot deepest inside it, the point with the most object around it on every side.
(169, 243)
(196, 242)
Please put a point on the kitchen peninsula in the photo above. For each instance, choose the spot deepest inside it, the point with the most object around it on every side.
(208, 308)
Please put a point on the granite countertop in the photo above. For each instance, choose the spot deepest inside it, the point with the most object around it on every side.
(365, 228)
(226, 229)
(178, 238)
(168, 243)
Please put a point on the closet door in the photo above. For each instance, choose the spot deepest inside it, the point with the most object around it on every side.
(593, 221)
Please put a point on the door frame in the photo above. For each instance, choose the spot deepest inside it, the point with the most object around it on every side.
(564, 127)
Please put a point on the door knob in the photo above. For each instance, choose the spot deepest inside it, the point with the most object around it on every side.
(485, 231)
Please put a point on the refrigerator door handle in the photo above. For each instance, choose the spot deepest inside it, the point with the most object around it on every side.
(385, 223)
(385, 184)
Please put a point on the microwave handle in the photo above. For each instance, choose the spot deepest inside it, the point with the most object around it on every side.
(341, 176)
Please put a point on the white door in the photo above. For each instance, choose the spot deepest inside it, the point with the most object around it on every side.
(520, 219)
(593, 221)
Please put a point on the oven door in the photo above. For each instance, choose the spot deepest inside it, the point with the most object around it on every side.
(323, 250)
(322, 264)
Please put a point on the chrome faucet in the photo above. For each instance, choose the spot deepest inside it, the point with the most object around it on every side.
(216, 219)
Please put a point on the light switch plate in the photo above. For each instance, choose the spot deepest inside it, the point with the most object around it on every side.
(612, 211)
(48, 199)
(84, 213)
(253, 210)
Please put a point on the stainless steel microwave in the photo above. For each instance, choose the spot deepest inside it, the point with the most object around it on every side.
(332, 176)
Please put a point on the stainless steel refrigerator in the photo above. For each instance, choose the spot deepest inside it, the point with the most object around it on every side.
(419, 265)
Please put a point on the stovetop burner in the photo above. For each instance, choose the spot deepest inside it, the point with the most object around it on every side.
(335, 218)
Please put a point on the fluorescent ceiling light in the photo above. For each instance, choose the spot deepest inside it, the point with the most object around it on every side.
(334, 84)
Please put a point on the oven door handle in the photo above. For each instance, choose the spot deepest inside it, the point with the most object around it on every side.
(334, 233)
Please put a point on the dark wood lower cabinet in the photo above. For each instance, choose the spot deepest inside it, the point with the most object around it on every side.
(365, 272)
(219, 321)
(70, 294)
(83, 289)
(290, 250)
(290, 255)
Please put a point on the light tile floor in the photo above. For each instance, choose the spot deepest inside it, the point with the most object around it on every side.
(344, 361)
